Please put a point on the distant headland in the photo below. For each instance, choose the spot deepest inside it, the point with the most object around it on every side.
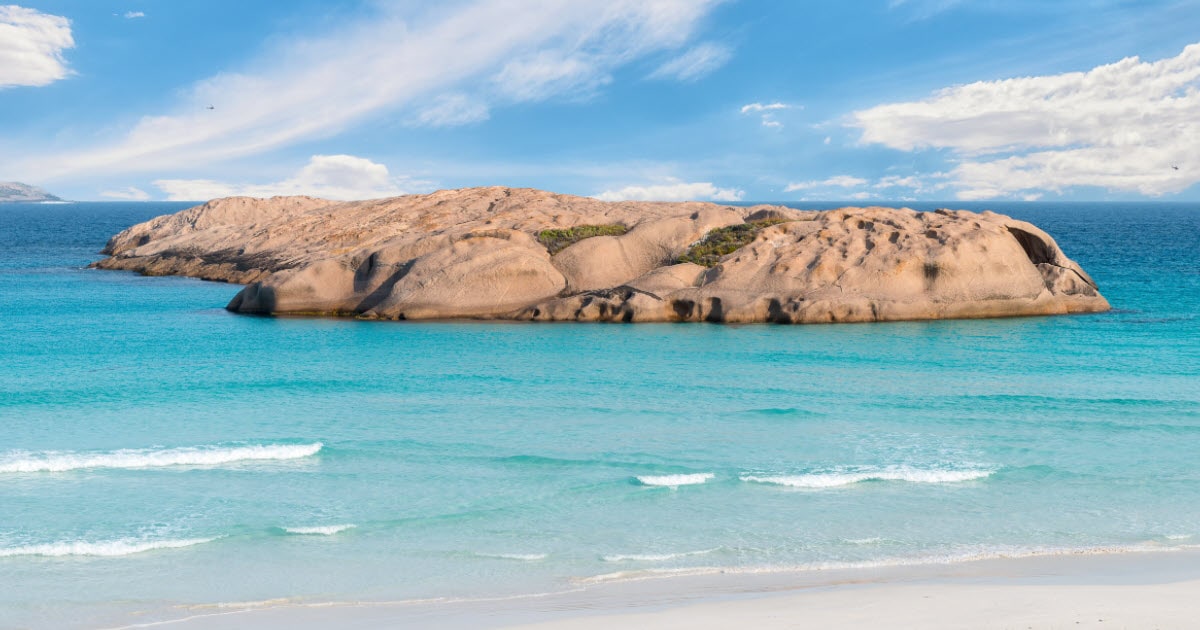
(523, 254)
(14, 192)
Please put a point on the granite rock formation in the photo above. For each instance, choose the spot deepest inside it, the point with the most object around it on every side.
(474, 253)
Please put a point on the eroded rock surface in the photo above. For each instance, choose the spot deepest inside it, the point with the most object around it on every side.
(474, 253)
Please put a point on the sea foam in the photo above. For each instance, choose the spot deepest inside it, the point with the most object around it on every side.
(62, 461)
(655, 557)
(833, 479)
(674, 480)
(321, 530)
(109, 548)
(526, 557)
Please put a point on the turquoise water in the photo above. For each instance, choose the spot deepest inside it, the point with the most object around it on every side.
(159, 456)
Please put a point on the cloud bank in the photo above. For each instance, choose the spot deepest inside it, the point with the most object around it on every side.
(1129, 126)
(31, 47)
(341, 177)
(673, 190)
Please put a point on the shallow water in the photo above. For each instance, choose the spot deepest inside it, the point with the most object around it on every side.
(158, 453)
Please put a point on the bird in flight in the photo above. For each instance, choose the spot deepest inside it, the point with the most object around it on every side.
(1175, 167)
(211, 107)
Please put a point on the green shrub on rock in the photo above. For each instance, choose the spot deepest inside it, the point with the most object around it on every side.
(559, 239)
(722, 241)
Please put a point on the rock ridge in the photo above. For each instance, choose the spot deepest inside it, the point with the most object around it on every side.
(475, 253)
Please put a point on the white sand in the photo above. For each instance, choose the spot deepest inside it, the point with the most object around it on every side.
(927, 606)
(1131, 590)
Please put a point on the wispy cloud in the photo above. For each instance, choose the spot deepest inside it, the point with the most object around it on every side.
(452, 110)
(31, 46)
(1127, 126)
(339, 177)
(697, 62)
(766, 112)
(400, 60)
(128, 194)
(837, 181)
(673, 190)
(129, 15)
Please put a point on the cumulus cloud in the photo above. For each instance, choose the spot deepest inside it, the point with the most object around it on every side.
(673, 190)
(399, 60)
(130, 193)
(766, 112)
(341, 177)
(1124, 126)
(31, 46)
(837, 181)
(695, 63)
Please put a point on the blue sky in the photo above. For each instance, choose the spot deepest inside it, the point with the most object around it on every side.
(643, 99)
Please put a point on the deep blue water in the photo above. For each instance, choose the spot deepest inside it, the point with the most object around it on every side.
(155, 450)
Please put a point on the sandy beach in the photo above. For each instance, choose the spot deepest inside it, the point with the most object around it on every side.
(1121, 590)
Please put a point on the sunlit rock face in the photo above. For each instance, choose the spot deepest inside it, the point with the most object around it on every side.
(476, 253)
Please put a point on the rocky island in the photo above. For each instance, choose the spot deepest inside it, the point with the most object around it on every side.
(16, 192)
(523, 254)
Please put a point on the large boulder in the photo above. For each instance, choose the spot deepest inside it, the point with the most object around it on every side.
(474, 253)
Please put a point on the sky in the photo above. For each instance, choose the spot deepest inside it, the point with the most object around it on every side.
(735, 100)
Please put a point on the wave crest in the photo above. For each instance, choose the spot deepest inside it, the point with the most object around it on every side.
(63, 461)
(833, 479)
(674, 480)
(320, 530)
(111, 548)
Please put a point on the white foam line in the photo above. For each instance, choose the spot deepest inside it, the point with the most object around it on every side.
(112, 548)
(674, 481)
(911, 561)
(62, 461)
(525, 557)
(655, 557)
(321, 530)
(833, 479)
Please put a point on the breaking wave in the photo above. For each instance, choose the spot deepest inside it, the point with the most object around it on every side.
(833, 479)
(62, 461)
(674, 480)
(323, 530)
(111, 548)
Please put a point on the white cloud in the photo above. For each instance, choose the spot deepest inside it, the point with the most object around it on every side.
(549, 72)
(31, 46)
(766, 112)
(695, 63)
(397, 61)
(129, 15)
(837, 181)
(129, 194)
(453, 110)
(762, 107)
(674, 190)
(342, 177)
(1122, 126)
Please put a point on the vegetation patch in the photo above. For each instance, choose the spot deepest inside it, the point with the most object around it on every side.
(722, 241)
(559, 239)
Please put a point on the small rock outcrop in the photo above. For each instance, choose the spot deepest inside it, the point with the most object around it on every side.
(474, 253)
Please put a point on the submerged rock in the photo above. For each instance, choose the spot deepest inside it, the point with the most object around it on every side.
(473, 253)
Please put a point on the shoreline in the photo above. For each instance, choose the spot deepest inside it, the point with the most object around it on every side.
(1105, 589)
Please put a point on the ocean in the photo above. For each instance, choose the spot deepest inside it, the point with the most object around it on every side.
(162, 458)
